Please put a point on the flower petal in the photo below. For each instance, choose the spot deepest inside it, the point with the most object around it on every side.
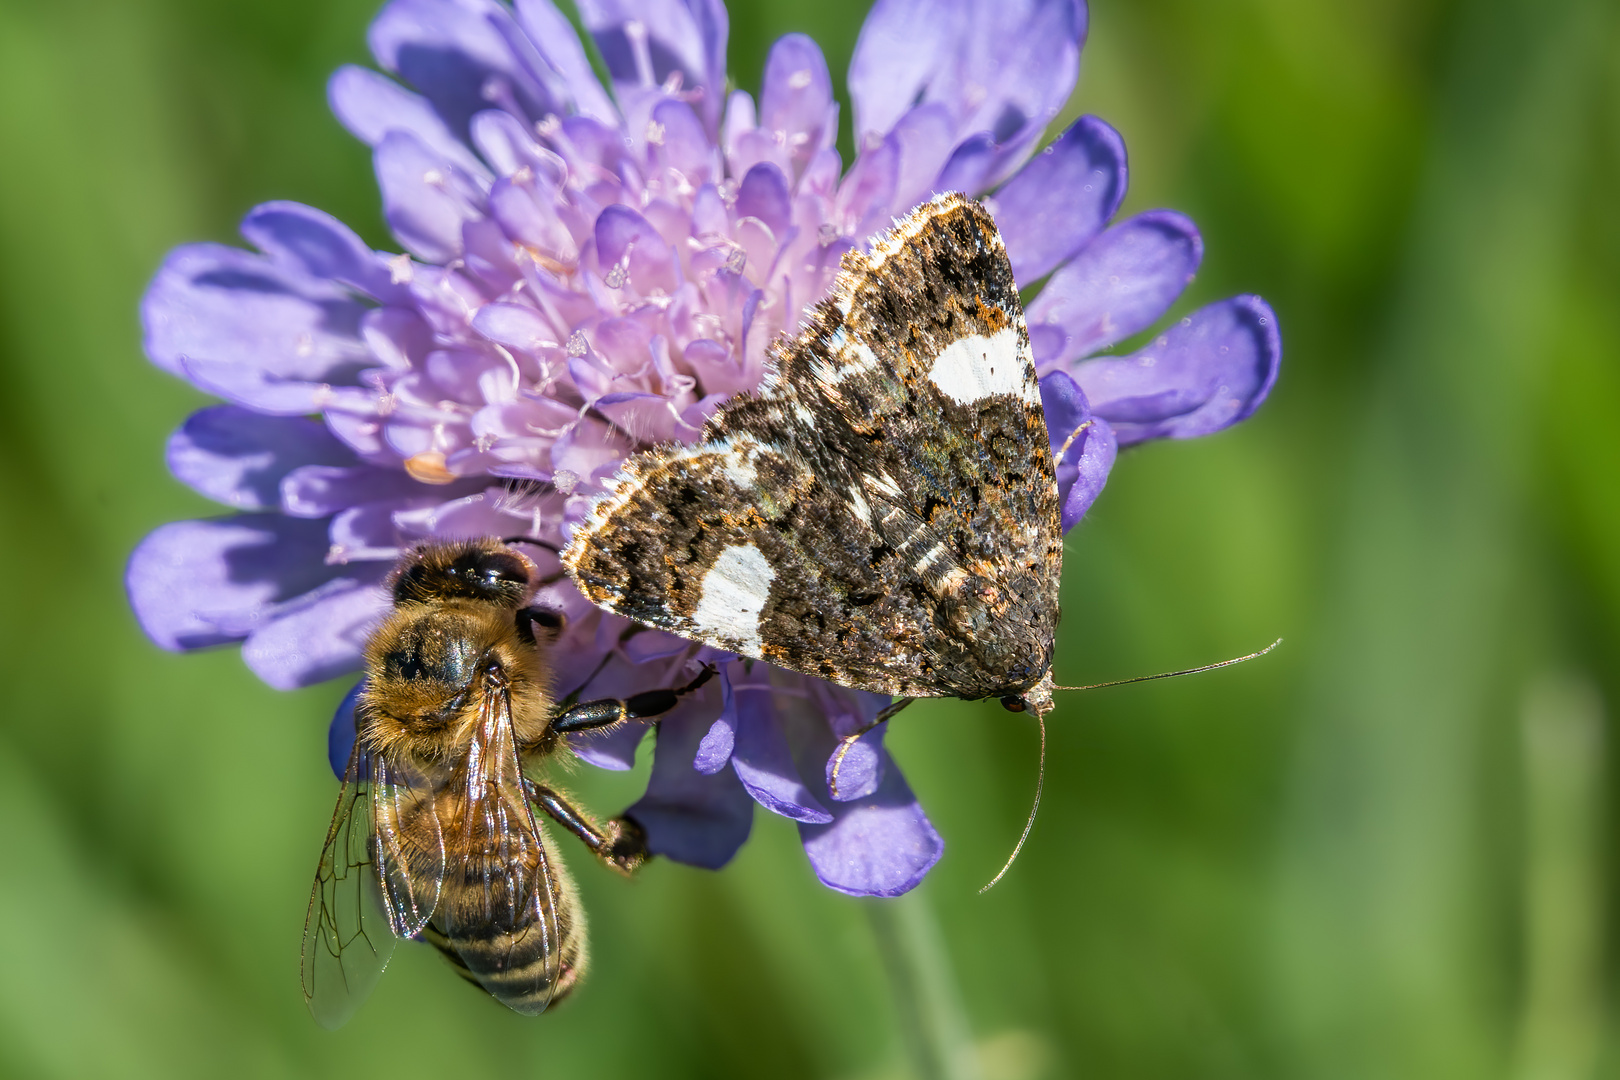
(554, 37)
(426, 199)
(320, 636)
(762, 758)
(1061, 198)
(452, 51)
(371, 105)
(341, 733)
(199, 583)
(904, 46)
(214, 303)
(1119, 284)
(614, 747)
(643, 42)
(1207, 372)
(321, 246)
(625, 237)
(796, 98)
(1006, 68)
(1083, 446)
(764, 194)
(860, 769)
(238, 457)
(314, 491)
(691, 817)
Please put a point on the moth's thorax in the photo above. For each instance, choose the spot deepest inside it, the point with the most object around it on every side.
(425, 666)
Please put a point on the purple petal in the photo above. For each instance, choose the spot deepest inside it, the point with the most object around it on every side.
(690, 817)
(646, 418)
(426, 199)
(268, 392)
(1003, 68)
(861, 768)
(371, 105)
(922, 140)
(1119, 284)
(714, 752)
(199, 583)
(215, 303)
(455, 55)
(796, 97)
(643, 42)
(685, 145)
(340, 734)
(904, 45)
(313, 491)
(554, 37)
(321, 246)
(1083, 446)
(763, 194)
(762, 757)
(1061, 198)
(614, 747)
(320, 636)
(1207, 372)
(238, 457)
(970, 166)
(624, 236)
(880, 844)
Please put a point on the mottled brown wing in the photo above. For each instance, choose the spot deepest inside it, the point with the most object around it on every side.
(365, 897)
(507, 911)
(848, 521)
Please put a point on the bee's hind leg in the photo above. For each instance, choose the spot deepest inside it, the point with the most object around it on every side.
(622, 844)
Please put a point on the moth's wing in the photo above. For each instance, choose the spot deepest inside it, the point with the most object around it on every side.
(828, 524)
(511, 918)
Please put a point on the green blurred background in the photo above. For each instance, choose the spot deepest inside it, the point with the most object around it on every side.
(1383, 851)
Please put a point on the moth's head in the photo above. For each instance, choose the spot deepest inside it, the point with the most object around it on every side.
(1005, 628)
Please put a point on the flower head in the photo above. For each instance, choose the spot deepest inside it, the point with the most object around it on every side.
(588, 271)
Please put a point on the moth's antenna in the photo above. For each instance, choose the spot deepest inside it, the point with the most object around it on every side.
(1040, 781)
(1173, 674)
(1040, 777)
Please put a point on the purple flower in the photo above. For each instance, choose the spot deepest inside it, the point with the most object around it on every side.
(588, 271)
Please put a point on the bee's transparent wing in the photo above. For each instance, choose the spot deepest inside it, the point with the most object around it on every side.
(515, 926)
(409, 844)
(357, 907)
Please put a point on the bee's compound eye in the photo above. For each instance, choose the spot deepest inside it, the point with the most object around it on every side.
(496, 569)
(1014, 703)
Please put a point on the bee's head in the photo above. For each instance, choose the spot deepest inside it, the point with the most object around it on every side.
(485, 570)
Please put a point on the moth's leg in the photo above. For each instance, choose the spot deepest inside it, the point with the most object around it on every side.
(849, 741)
(608, 711)
(622, 843)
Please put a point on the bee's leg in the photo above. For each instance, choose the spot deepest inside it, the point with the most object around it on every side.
(550, 623)
(608, 711)
(622, 844)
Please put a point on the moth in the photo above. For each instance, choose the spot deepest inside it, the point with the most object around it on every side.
(883, 512)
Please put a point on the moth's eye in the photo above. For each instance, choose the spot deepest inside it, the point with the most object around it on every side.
(1014, 703)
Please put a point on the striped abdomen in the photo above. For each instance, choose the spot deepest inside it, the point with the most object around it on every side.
(507, 917)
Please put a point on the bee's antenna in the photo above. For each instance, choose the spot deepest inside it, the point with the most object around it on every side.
(548, 545)
(1040, 781)
(1173, 674)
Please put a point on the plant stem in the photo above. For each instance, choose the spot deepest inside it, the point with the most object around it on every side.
(928, 1005)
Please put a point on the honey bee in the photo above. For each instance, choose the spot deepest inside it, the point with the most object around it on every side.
(435, 835)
